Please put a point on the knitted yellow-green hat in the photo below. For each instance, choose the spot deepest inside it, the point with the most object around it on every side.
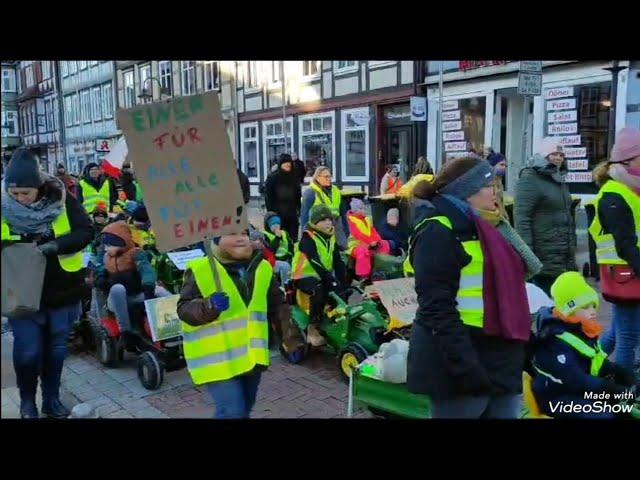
(571, 292)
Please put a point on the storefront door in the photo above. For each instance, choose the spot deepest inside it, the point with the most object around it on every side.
(400, 145)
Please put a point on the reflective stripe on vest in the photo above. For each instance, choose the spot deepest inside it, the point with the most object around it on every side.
(323, 199)
(91, 197)
(283, 248)
(469, 296)
(365, 227)
(238, 339)
(597, 355)
(61, 226)
(301, 265)
(605, 244)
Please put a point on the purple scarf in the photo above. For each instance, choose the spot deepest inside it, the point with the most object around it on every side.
(506, 308)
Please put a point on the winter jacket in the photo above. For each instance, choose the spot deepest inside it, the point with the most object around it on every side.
(399, 237)
(542, 215)
(283, 192)
(390, 184)
(130, 268)
(308, 247)
(113, 191)
(616, 218)
(570, 369)
(446, 357)
(195, 310)
(309, 197)
(300, 170)
(62, 288)
(244, 186)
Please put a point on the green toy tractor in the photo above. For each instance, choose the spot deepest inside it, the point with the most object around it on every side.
(352, 332)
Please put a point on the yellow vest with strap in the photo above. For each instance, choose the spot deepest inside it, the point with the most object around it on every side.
(238, 340)
(323, 199)
(91, 197)
(597, 355)
(301, 265)
(61, 226)
(469, 296)
(365, 226)
(605, 244)
(283, 248)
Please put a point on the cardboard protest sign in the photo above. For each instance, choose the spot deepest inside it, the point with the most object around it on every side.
(186, 169)
(399, 298)
(163, 317)
(180, 259)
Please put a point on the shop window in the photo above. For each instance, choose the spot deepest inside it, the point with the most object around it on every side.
(274, 142)
(316, 141)
(355, 144)
(249, 150)
(463, 125)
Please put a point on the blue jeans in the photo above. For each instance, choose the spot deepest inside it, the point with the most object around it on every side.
(624, 334)
(234, 398)
(502, 406)
(40, 347)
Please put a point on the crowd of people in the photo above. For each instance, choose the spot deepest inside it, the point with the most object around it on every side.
(472, 335)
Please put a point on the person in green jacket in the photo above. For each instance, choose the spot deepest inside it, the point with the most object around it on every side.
(542, 213)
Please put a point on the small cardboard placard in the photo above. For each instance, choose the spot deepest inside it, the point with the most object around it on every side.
(163, 317)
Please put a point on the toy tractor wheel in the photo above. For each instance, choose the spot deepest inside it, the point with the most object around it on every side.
(350, 357)
(150, 371)
(107, 348)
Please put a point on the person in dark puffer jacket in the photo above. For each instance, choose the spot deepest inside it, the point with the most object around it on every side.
(32, 201)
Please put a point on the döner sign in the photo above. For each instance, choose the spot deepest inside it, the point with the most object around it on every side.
(558, 92)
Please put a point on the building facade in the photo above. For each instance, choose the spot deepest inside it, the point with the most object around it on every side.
(38, 107)
(143, 81)
(481, 108)
(633, 95)
(88, 112)
(352, 116)
(9, 120)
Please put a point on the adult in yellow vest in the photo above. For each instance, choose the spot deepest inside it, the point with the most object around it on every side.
(322, 192)
(317, 267)
(466, 349)
(225, 322)
(37, 208)
(95, 187)
(616, 233)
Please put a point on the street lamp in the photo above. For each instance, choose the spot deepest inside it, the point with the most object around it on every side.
(147, 95)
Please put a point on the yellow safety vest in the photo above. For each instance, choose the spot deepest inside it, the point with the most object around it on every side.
(365, 227)
(301, 265)
(597, 355)
(283, 248)
(142, 238)
(239, 339)
(61, 226)
(469, 296)
(91, 197)
(323, 199)
(605, 244)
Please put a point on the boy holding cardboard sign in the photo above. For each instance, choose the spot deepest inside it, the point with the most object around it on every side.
(225, 304)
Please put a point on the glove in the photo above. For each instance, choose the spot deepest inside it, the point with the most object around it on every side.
(49, 249)
(149, 292)
(219, 301)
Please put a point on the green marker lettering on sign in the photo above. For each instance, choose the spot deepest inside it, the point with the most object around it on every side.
(138, 121)
(196, 104)
(179, 111)
(162, 114)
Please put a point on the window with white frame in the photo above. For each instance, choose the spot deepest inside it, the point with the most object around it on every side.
(8, 80)
(46, 69)
(96, 102)
(28, 76)
(107, 101)
(341, 66)
(82, 64)
(188, 77)
(93, 63)
(316, 141)
(10, 123)
(41, 119)
(251, 74)
(129, 89)
(68, 111)
(145, 72)
(311, 67)
(211, 76)
(64, 68)
(355, 144)
(73, 67)
(164, 70)
(273, 142)
(275, 71)
(249, 149)
(76, 109)
(33, 119)
(381, 63)
(86, 106)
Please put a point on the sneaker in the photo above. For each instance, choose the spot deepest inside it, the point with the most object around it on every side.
(314, 337)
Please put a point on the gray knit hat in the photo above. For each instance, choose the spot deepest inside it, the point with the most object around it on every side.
(471, 182)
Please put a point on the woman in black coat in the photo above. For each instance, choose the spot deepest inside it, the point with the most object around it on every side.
(36, 208)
